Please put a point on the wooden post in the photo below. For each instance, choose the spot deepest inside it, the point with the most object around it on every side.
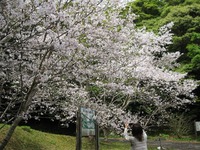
(96, 136)
(78, 130)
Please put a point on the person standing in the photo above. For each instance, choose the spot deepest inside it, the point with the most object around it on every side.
(138, 139)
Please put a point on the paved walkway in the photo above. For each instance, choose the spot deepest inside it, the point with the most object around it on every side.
(168, 144)
(176, 145)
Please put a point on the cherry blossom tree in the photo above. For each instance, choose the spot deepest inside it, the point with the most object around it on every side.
(144, 74)
(52, 51)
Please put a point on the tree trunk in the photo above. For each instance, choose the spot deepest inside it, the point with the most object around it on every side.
(19, 117)
(10, 132)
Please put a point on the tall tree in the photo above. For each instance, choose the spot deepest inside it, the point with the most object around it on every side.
(51, 51)
(185, 15)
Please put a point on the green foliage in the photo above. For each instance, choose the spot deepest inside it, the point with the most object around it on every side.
(193, 50)
(94, 90)
(165, 12)
(189, 2)
(151, 8)
(186, 17)
(196, 62)
(180, 124)
(146, 9)
(175, 2)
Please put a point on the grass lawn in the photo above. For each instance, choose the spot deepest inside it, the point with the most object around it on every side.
(25, 138)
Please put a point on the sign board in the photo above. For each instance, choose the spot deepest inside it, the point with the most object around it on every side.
(86, 126)
(197, 126)
(88, 122)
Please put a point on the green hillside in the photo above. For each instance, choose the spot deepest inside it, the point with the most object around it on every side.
(26, 138)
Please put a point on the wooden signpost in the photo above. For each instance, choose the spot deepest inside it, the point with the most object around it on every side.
(86, 126)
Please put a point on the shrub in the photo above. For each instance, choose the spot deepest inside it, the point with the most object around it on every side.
(180, 124)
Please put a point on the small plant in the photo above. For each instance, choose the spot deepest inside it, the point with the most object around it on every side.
(164, 136)
(180, 124)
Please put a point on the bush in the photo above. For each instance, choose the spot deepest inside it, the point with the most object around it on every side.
(180, 124)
